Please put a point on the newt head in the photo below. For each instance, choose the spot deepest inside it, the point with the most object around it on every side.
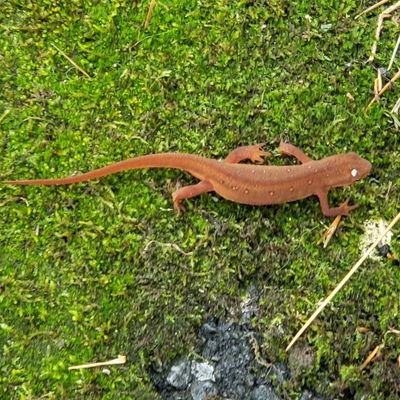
(351, 168)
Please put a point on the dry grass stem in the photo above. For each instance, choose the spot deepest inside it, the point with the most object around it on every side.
(374, 353)
(383, 90)
(4, 115)
(396, 107)
(80, 69)
(343, 281)
(377, 350)
(369, 9)
(328, 234)
(379, 26)
(379, 78)
(116, 361)
(150, 11)
(392, 8)
(396, 48)
(384, 14)
(169, 245)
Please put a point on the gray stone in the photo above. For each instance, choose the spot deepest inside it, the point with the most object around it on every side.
(307, 395)
(179, 375)
(201, 390)
(202, 371)
(264, 392)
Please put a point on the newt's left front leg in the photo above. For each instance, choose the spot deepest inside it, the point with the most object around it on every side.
(343, 209)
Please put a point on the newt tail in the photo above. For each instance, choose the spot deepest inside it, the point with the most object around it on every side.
(191, 163)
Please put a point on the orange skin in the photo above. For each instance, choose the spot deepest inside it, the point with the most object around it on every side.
(245, 183)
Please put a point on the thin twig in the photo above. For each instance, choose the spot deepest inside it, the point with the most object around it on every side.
(379, 82)
(116, 361)
(394, 53)
(396, 107)
(343, 281)
(149, 13)
(80, 69)
(384, 14)
(328, 234)
(392, 8)
(379, 27)
(383, 90)
(170, 245)
(371, 356)
(377, 350)
(380, 3)
(4, 115)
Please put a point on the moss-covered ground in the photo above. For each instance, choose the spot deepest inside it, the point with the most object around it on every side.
(94, 270)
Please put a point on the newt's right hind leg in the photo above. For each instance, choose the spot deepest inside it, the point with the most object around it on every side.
(252, 153)
(187, 192)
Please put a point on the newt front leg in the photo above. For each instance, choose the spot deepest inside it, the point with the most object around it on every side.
(343, 209)
(242, 153)
(291, 150)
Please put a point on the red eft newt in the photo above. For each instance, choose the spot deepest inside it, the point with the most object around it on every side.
(245, 183)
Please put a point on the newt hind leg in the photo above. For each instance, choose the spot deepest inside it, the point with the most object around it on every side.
(242, 153)
(187, 192)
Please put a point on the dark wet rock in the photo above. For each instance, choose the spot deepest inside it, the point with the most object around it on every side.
(208, 330)
(227, 368)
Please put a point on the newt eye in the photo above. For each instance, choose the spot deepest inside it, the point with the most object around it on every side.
(354, 172)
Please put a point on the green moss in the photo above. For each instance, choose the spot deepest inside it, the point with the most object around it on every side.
(105, 268)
